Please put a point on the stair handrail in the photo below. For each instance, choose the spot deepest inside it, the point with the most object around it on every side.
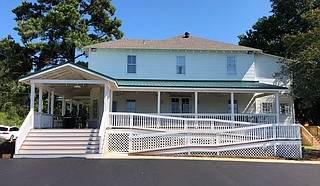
(306, 136)
(25, 128)
(102, 131)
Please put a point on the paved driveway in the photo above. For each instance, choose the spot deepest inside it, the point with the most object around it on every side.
(77, 172)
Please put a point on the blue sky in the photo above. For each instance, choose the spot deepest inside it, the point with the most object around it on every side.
(221, 20)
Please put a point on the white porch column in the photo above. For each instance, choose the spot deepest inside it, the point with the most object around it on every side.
(32, 95)
(196, 103)
(159, 103)
(111, 101)
(278, 107)
(232, 106)
(40, 100)
(106, 98)
(48, 107)
(52, 102)
(70, 106)
(63, 107)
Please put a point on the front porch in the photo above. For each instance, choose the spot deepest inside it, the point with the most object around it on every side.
(234, 115)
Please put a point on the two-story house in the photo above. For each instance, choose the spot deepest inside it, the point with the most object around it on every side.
(182, 95)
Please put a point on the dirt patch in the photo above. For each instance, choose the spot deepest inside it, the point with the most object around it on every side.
(311, 154)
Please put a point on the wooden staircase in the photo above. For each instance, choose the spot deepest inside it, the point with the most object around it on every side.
(310, 135)
(60, 143)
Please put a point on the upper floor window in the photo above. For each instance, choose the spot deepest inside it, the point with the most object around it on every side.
(231, 65)
(131, 64)
(181, 65)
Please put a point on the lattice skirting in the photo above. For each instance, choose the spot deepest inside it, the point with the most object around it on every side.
(118, 142)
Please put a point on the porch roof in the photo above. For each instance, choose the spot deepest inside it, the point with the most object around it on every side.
(127, 83)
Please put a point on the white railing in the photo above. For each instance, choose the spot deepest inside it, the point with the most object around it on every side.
(43, 120)
(150, 121)
(252, 118)
(102, 131)
(25, 128)
(193, 138)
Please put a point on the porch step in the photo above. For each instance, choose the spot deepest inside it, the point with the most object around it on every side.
(61, 142)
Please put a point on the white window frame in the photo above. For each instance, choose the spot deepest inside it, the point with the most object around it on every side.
(131, 63)
(131, 105)
(231, 65)
(285, 109)
(181, 64)
(266, 107)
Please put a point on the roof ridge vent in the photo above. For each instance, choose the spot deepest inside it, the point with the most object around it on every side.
(186, 35)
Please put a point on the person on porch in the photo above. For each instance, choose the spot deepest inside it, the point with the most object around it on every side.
(83, 116)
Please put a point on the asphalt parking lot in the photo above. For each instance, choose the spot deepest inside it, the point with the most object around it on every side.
(149, 172)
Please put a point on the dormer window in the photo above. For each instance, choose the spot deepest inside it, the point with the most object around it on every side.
(181, 65)
(131, 64)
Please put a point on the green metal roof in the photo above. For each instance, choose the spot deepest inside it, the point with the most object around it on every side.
(196, 84)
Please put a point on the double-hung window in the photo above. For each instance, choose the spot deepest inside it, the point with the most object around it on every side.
(231, 65)
(181, 65)
(284, 108)
(131, 106)
(266, 108)
(131, 64)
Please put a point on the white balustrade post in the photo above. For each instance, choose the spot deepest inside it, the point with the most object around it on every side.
(278, 107)
(196, 108)
(52, 102)
(40, 100)
(131, 120)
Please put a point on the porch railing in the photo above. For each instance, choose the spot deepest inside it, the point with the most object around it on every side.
(192, 138)
(252, 118)
(314, 130)
(43, 120)
(26, 126)
(307, 138)
(152, 121)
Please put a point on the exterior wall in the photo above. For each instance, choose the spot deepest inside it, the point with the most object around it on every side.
(284, 118)
(146, 102)
(96, 93)
(157, 64)
(266, 68)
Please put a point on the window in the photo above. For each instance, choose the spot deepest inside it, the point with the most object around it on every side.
(266, 108)
(180, 105)
(231, 65)
(235, 102)
(131, 106)
(181, 65)
(284, 108)
(131, 64)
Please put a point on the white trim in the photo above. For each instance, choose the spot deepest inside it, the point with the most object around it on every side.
(64, 65)
(60, 81)
(179, 89)
(232, 106)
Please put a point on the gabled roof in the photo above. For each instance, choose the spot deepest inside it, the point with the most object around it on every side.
(176, 43)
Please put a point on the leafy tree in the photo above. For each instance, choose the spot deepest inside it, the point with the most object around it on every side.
(305, 48)
(58, 29)
(15, 61)
(267, 34)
